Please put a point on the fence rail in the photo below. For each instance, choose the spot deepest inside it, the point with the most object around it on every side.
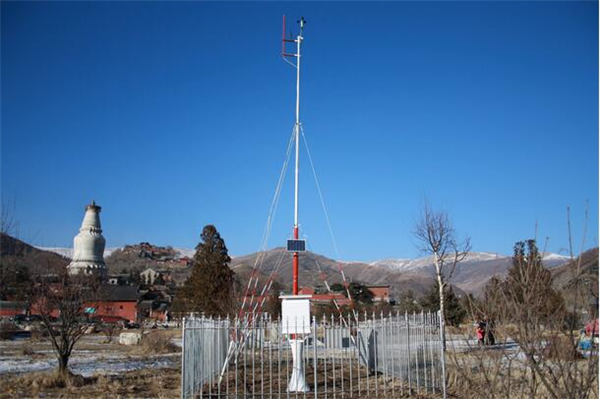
(390, 356)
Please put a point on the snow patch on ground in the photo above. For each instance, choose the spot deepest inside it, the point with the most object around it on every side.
(88, 364)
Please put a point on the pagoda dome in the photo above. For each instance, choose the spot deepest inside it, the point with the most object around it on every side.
(89, 244)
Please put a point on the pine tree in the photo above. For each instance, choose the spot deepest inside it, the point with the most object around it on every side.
(360, 293)
(159, 280)
(210, 288)
(408, 302)
(337, 287)
(273, 303)
(454, 314)
(529, 283)
(2, 283)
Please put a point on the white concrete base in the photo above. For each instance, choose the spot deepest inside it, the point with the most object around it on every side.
(297, 381)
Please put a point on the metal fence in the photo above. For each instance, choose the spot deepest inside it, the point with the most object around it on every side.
(395, 355)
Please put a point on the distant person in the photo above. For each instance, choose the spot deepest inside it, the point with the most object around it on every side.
(480, 333)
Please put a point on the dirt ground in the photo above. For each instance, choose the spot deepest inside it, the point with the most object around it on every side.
(134, 384)
(244, 382)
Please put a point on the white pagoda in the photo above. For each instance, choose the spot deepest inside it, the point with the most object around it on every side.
(88, 251)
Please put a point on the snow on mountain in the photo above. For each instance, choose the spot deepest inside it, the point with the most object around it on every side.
(185, 252)
(64, 252)
(68, 252)
(391, 263)
(553, 256)
(404, 265)
(550, 259)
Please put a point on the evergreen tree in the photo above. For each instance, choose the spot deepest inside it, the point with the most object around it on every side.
(210, 288)
(134, 277)
(159, 280)
(14, 280)
(408, 302)
(273, 303)
(2, 283)
(337, 287)
(455, 313)
(529, 283)
(491, 304)
(360, 293)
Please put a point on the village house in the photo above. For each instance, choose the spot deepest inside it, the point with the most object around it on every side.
(381, 293)
(324, 299)
(184, 261)
(119, 279)
(13, 308)
(115, 301)
(155, 305)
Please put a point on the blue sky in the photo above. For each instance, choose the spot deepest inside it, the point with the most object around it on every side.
(175, 115)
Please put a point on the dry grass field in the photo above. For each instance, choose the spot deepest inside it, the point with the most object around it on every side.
(100, 369)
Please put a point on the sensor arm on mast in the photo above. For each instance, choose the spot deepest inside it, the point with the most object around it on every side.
(285, 54)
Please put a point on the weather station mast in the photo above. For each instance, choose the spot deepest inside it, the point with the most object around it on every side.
(295, 308)
(296, 245)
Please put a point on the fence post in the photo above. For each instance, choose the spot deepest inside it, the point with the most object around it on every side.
(443, 355)
(409, 371)
(315, 362)
(183, 360)
(424, 351)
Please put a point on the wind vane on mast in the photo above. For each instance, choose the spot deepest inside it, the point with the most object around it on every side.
(296, 245)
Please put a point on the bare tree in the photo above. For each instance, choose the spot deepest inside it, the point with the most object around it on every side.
(110, 330)
(61, 300)
(538, 354)
(8, 222)
(436, 236)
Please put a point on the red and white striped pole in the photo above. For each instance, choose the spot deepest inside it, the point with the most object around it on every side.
(295, 265)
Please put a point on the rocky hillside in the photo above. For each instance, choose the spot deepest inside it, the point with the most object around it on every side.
(144, 255)
(311, 264)
(564, 278)
(16, 252)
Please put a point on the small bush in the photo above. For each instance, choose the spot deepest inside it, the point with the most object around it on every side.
(156, 343)
(27, 351)
(561, 348)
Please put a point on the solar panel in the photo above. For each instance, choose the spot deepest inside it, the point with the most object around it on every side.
(296, 245)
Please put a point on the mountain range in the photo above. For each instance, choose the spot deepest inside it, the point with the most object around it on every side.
(401, 275)
(470, 275)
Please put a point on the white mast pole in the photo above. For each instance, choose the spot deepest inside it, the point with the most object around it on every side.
(298, 41)
(297, 128)
(297, 381)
